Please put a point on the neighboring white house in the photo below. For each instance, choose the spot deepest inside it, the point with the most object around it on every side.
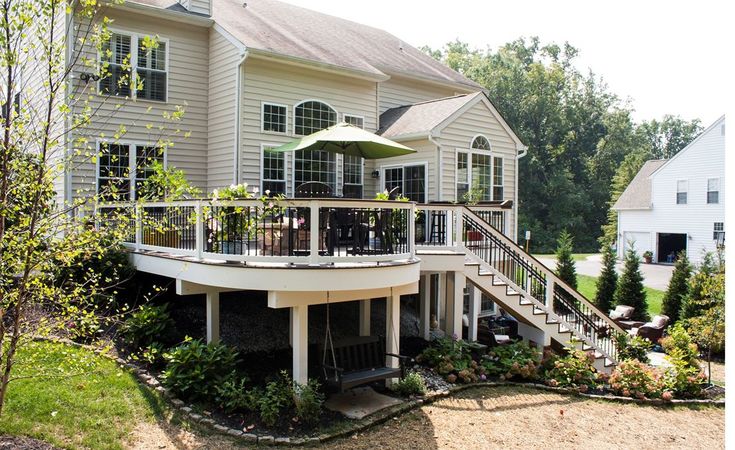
(677, 204)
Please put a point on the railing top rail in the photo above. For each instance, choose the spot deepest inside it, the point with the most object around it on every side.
(549, 273)
(304, 202)
(504, 205)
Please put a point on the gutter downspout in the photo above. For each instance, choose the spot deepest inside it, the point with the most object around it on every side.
(523, 151)
(439, 189)
(237, 176)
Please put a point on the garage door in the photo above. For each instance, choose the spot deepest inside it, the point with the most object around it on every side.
(641, 241)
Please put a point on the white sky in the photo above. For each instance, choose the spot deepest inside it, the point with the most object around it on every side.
(667, 57)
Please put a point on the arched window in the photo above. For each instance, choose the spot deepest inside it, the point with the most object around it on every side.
(480, 142)
(314, 165)
(312, 116)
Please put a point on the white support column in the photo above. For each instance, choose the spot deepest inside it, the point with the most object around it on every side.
(314, 232)
(455, 299)
(550, 293)
(365, 317)
(290, 327)
(212, 316)
(424, 306)
(474, 313)
(441, 300)
(458, 228)
(300, 346)
(392, 331)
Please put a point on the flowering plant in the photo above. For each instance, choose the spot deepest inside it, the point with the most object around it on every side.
(633, 378)
(573, 370)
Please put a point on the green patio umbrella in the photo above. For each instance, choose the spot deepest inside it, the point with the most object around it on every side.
(348, 140)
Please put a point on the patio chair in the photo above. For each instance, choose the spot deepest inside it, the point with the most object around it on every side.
(653, 330)
(621, 315)
(313, 189)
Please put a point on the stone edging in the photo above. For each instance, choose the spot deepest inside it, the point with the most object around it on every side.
(379, 417)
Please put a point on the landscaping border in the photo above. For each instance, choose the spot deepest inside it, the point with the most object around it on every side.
(151, 382)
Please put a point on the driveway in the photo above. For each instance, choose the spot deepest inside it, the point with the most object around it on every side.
(655, 276)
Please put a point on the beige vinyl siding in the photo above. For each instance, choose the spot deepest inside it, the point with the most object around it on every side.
(425, 153)
(187, 84)
(478, 119)
(403, 91)
(223, 59)
(273, 82)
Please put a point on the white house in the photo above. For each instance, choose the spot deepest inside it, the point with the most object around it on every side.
(677, 204)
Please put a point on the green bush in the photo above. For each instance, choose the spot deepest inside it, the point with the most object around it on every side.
(678, 288)
(308, 400)
(194, 369)
(633, 347)
(575, 369)
(518, 359)
(412, 384)
(679, 344)
(629, 290)
(565, 266)
(147, 325)
(152, 354)
(685, 377)
(232, 394)
(275, 399)
(452, 358)
(633, 378)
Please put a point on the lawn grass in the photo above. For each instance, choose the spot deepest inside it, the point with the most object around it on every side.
(575, 256)
(95, 406)
(587, 286)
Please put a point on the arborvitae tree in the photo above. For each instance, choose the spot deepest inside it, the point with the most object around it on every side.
(607, 281)
(678, 288)
(696, 302)
(630, 287)
(565, 268)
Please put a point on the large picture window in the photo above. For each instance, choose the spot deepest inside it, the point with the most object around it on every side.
(123, 170)
(314, 165)
(274, 171)
(127, 54)
(312, 116)
(474, 171)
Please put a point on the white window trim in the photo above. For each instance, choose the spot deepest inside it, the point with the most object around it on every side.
(134, 37)
(336, 113)
(472, 141)
(382, 170)
(469, 153)
(262, 167)
(356, 116)
(686, 191)
(132, 163)
(262, 118)
(492, 179)
(719, 189)
(362, 173)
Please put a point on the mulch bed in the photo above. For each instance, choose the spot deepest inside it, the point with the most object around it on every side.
(24, 443)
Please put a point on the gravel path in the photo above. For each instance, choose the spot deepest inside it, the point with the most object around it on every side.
(504, 417)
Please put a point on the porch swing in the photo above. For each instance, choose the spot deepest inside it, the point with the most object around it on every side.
(356, 360)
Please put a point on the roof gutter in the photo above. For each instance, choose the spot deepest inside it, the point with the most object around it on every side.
(316, 65)
(161, 13)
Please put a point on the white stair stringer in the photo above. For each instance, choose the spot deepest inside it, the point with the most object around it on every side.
(520, 303)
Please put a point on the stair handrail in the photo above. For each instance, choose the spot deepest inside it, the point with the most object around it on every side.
(548, 272)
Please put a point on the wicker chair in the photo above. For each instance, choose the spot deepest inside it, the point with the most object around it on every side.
(653, 330)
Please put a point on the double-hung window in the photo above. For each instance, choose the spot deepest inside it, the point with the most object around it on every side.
(474, 171)
(682, 186)
(314, 165)
(498, 178)
(713, 190)
(718, 233)
(123, 170)
(274, 117)
(135, 66)
(352, 166)
(274, 171)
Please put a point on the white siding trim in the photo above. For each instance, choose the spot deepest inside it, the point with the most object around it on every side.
(232, 39)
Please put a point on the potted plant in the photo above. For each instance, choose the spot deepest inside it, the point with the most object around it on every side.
(648, 256)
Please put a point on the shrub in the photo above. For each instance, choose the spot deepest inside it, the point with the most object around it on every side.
(630, 287)
(607, 281)
(565, 267)
(633, 347)
(83, 325)
(147, 325)
(194, 369)
(519, 359)
(232, 394)
(572, 370)
(152, 354)
(308, 400)
(678, 288)
(275, 399)
(679, 344)
(633, 378)
(452, 358)
(412, 384)
(685, 376)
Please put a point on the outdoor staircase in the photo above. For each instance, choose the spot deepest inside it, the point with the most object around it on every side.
(534, 294)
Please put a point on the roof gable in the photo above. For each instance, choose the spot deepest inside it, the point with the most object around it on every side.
(278, 28)
(638, 193)
(421, 118)
(691, 145)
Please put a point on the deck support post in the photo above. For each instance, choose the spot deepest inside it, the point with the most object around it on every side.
(212, 317)
(392, 331)
(474, 312)
(300, 345)
(441, 300)
(425, 306)
(365, 317)
(290, 327)
(456, 282)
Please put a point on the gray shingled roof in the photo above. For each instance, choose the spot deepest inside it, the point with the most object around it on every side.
(171, 5)
(638, 193)
(283, 29)
(421, 118)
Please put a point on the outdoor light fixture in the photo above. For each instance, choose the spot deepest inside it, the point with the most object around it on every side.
(84, 76)
(375, 174)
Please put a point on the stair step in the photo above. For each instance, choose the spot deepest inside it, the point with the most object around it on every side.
(563, 329)
(523, 301)
(608, 362)
(471, 262)
(538, 311)
(511, 292)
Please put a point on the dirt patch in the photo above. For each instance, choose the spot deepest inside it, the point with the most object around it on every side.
(24, 443)
(151, 436)
(718, 372)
